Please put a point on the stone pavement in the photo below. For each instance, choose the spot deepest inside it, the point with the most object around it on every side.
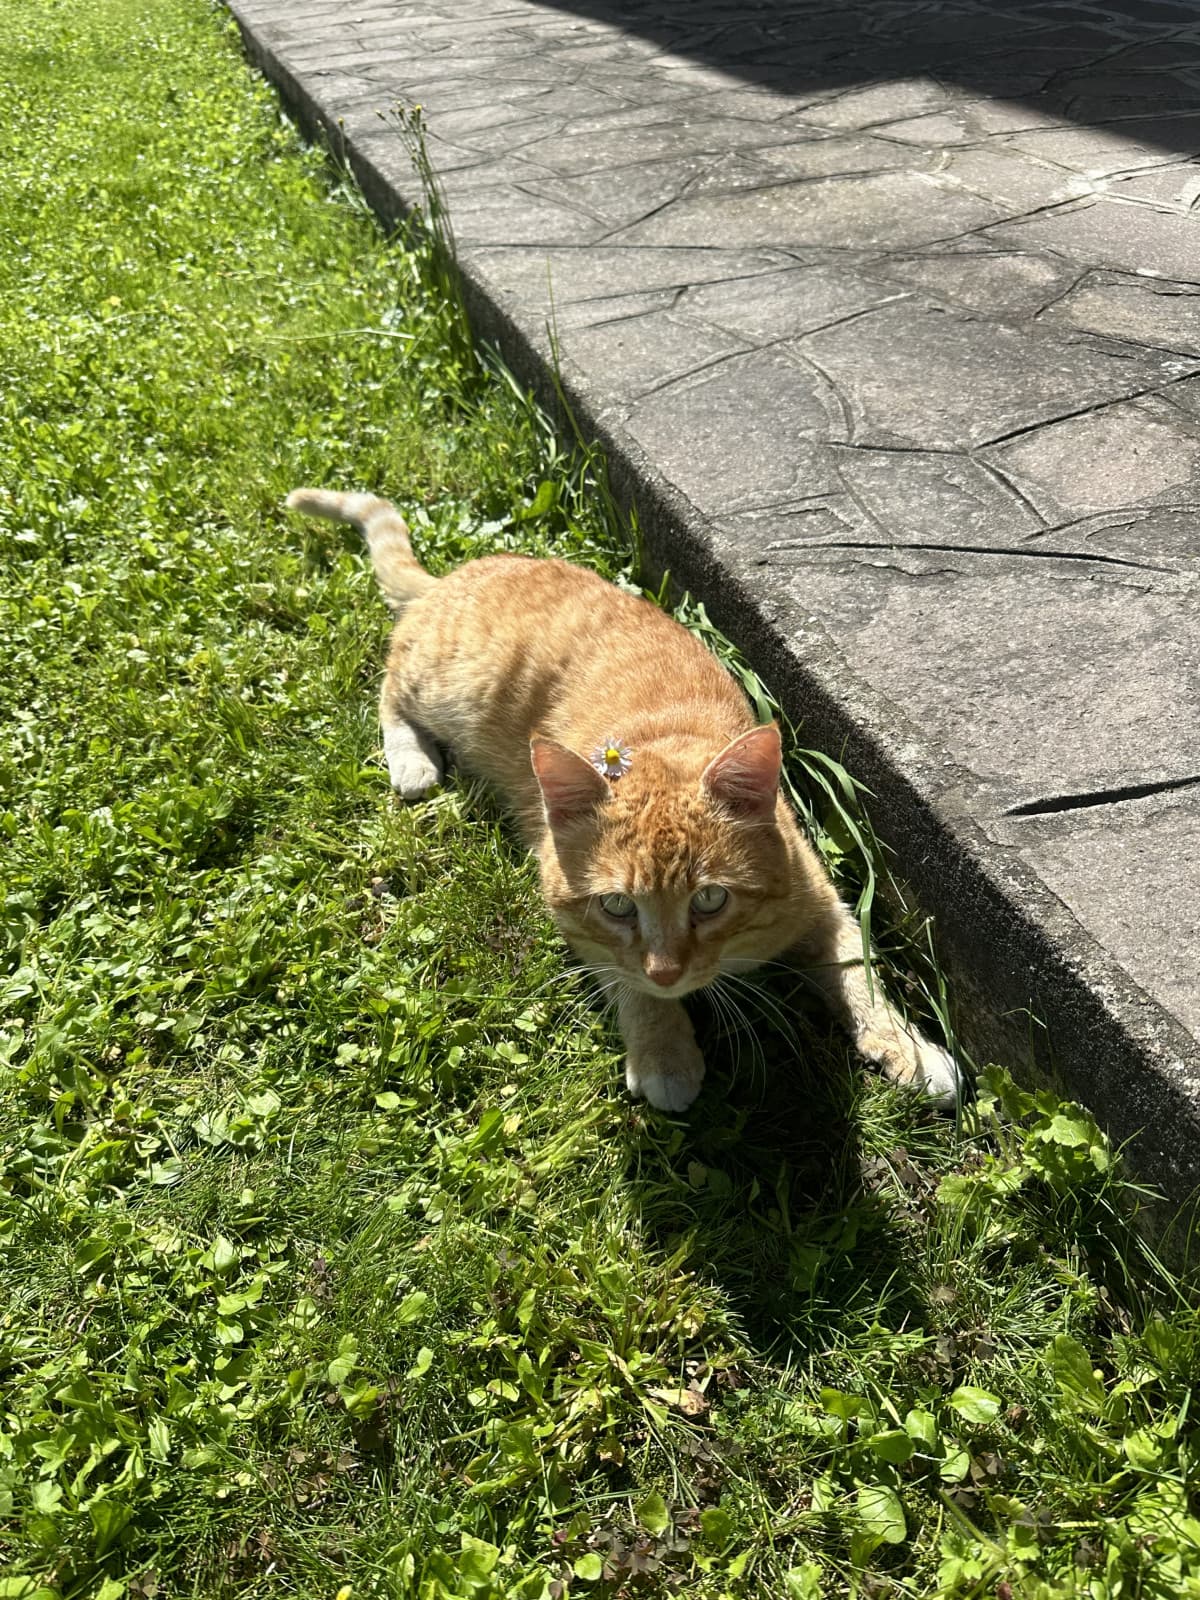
(889, 315)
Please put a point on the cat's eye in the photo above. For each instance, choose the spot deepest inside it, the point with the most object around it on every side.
(710, 899)
(621, 906)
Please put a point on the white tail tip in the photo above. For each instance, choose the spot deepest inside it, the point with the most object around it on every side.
(327, 503)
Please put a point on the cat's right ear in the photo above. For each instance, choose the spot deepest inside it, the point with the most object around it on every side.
(571, 787)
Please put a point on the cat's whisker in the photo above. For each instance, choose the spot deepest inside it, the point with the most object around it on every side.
(765, 1001)
(731, 997)
(729, 1015)
(753, 1001)
(741, 1026)
(726, 1005)
(611, 975)
(608, 980)
(808, 974)
(716, 999)
(793, 967)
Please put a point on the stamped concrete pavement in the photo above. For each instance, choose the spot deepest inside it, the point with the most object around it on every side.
(890, 318)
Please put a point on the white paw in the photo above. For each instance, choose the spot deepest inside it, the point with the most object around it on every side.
(668, 1091)
(413, 775)
(938, 1075)
(412, 761)
(909, 1058)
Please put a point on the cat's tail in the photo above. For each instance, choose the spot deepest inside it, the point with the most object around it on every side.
(401, 576)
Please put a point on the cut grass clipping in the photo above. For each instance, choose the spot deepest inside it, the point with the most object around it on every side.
(335, 1261)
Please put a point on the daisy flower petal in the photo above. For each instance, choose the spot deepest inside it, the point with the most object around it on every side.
(612, 759)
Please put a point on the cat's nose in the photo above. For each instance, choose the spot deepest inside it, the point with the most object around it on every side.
(663, 971)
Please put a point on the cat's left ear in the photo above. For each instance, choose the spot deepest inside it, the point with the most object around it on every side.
(571, 787)
(744, 778)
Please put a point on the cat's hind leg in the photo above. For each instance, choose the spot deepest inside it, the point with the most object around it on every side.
(834, 962)
(413, 761)
(663, 1063)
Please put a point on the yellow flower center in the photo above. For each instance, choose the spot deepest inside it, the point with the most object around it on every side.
(612, 753)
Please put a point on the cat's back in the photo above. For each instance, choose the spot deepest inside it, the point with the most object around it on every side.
(538, 583)
(541, 607)
(508, 644)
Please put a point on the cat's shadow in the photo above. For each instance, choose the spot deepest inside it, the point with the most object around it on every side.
(768, 1186)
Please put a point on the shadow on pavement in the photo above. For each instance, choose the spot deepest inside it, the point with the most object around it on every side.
(1133, 61)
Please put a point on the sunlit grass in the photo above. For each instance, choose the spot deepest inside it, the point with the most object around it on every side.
(333, 1253)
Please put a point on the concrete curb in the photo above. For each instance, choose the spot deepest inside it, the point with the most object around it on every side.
(1012, 950)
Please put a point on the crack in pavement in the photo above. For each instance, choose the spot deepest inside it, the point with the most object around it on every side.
(1050, 805)
(1080, 411)
(1006, 484)
(970, 550)
(1122, 519)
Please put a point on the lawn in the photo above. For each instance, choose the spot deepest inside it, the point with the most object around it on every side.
(336, 1262)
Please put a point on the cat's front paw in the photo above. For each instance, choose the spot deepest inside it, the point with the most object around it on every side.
(914, 1061)
(938, 1075)
(413, 760)
(413, 776)
(669, 1080)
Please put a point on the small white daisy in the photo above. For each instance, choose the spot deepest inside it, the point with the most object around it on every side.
(612, 759)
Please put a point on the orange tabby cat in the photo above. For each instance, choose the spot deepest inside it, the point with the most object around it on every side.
(640, 780)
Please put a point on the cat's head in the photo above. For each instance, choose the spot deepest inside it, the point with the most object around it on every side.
(663, 879)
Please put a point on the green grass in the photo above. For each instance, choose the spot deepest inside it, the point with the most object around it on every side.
(335, 1261)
